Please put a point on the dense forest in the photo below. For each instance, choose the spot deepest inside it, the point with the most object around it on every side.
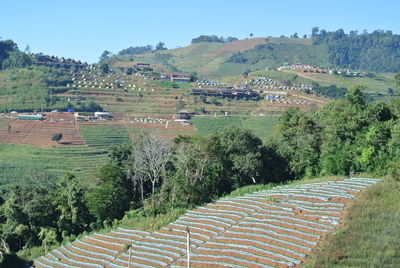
(378, 51)
(11, 56)
(152, 176)
(276, 55)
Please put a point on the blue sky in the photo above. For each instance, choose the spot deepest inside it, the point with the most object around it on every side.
(84, 29)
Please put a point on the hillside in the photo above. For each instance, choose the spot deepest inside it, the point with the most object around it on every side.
(277, 227)
(208, 59)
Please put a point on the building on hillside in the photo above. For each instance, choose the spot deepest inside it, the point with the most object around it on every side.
(31, 117)
(143, 67)
(176, 77)
(225, 92)
(183, 115)
(103, 115)
(79, 117)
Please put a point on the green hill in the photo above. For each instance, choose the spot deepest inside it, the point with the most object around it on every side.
(210, 59)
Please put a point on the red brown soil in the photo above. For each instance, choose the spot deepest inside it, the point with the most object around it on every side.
(237, 255)
(38, 133)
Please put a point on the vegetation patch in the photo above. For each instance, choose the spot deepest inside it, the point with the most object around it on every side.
(102, 137)
(371, 235)
(262, 126)
(16, 161)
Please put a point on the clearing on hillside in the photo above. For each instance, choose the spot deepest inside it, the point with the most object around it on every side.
(38, 133)
(278, 227)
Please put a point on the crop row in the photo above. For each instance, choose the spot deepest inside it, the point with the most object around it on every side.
(253, 230)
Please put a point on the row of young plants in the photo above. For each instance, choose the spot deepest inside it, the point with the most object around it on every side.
(257, 233)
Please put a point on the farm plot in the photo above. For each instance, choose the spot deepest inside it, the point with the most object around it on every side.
(103, 136)
(17, 161)
(39, 133)
(279, 227)
(164, 130)
(262, 126)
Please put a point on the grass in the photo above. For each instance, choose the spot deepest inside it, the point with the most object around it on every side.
(280, 76)
(207, 125)
(102, 137)
(262, 126)
(371, 234)
(16, 161)
(379, 83)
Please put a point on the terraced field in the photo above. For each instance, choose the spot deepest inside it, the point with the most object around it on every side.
(38, 133)
(262, 126)
(279, 227)
(103, 136)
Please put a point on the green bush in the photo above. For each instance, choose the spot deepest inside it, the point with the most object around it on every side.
(56, 137)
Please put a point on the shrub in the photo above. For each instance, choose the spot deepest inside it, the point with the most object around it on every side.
(56, 137)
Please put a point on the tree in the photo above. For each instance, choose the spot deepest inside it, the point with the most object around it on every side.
(314, 31)
(251, 35)
(69, 200)
(239, 151)
(6, 46)
(105, 68)
(105, 55)
(148, 162)
(48, 237)
(56, 137)
(109, 197)
(355, 96)
(298, 142)
(17, 59)
(304, 36)
(27, 208)
(295, 35)
(231, 39)
(119, 154)
(161, 46)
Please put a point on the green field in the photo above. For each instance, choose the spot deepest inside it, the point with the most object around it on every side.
(19, 160)
(371, 235)
(280, 76)
(102, 137)
(262, 126)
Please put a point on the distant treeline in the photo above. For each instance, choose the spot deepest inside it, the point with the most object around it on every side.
(331, 91)
(11, 56)
(142, 49)
(275, 55)
(377, 51)
(213, 38)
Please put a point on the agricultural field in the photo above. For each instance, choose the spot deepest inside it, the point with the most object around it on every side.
(370, 236)
(164, 130)
(377, 84)
(262, 126)
(276, 227)
(17, 161)
(101, 137)
(38, 133)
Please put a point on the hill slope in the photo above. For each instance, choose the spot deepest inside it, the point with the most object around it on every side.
(209, 59)
(278, 227)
